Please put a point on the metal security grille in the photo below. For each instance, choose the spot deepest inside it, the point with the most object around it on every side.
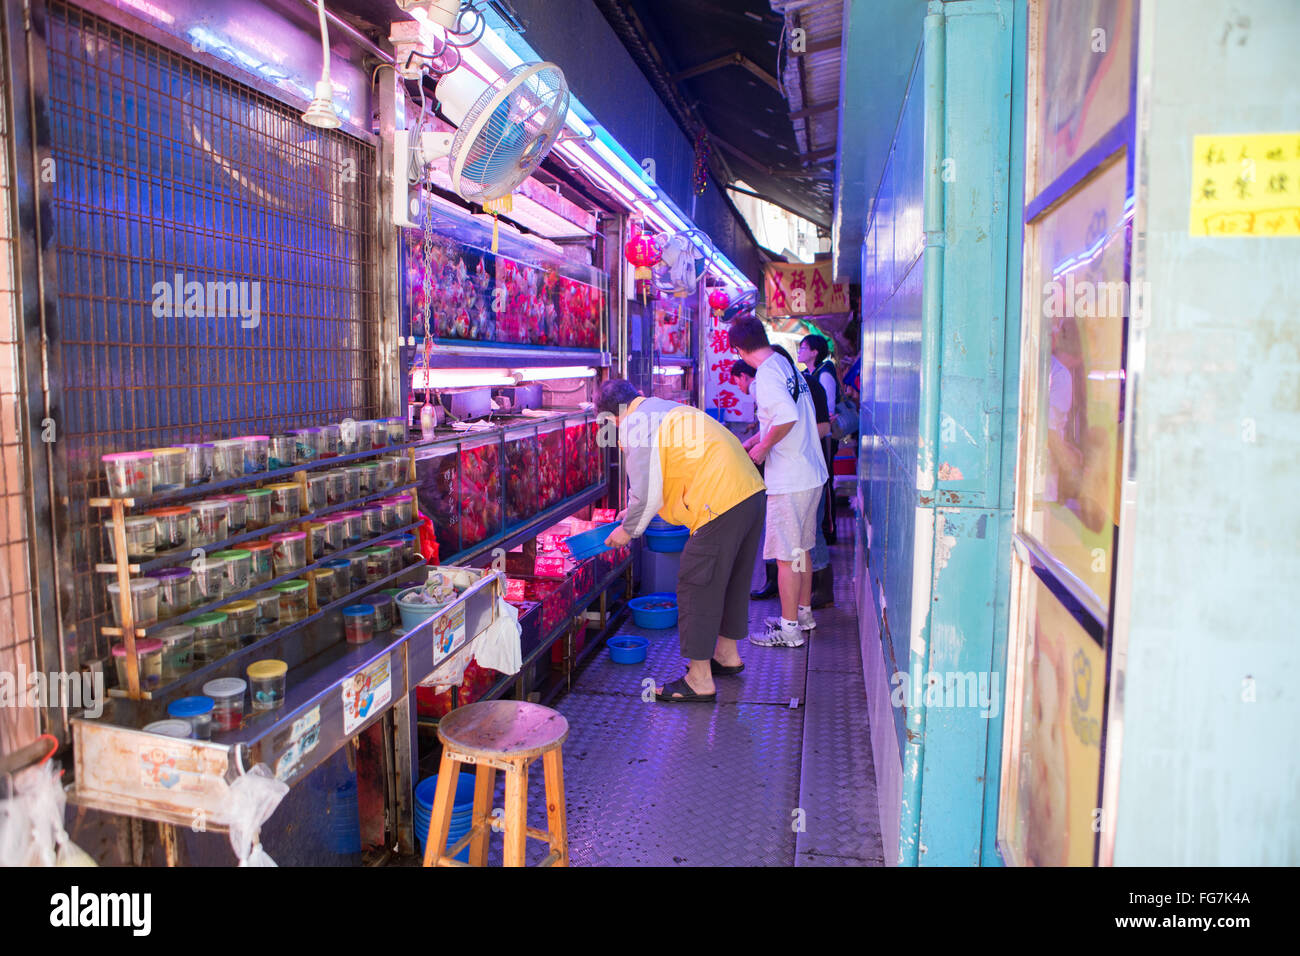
(167, 173)
(18, 725)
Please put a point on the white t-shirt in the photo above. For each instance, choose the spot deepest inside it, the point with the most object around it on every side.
(796, 462)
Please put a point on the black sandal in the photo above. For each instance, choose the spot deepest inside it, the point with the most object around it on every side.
(723, 670)
(687, 694)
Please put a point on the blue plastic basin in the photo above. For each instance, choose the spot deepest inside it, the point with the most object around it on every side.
(650, 617)
(627, 650)
(669, 541)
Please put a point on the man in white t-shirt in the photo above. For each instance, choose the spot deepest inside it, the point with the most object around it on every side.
(794, 471)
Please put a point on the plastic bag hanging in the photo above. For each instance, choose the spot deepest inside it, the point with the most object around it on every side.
(31, 822)
(250, 803)
(499, 649)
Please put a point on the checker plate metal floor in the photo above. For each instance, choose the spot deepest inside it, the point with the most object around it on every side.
(749, 781)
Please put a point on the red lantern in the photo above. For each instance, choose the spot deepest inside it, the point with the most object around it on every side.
(643, 252)
(718, 302)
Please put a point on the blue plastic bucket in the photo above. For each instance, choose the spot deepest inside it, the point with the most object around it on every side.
(654, 617)
(668, 541)
(627, 650)
(413, 615)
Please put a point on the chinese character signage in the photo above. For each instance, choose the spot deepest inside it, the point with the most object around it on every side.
(715, 366)
(796, 288)
(1246, 185)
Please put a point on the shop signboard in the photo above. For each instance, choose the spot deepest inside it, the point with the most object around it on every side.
(720, 392)
(800, 288)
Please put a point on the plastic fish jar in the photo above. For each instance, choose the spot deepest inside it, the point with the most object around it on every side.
(322, 581)
(211, 522)
(141, 537)
(306, 444)
(286, 504)
(144, 602)
(521, 475)
(359, 623)
(550, 463)
(209, 577)
(405, 505)
(210, 644)
(197, 711)
(336, 487)
(352, 482)
(396, 428)
(237, 565)
(385, 610)
(257, 453)
(318, 491)
(293, 601)
(266, 681)
(129, 474)
(378, 433)
(348, 437)
(329, 441)
(198, 463)
(378, 563)
(148, 652)
(354, 527)
(365, 435)
(171, 727)
(227, 695)
(280, 452)
(268, 612)
(237, 511)
(341, 568)
(175, 591)
(373, 515)
(261, 566)
(317, 539)
(227, 459)
(480, 489)
(369, 473)
(241, 621)
(386, 473)
(259, 508)
(336, 530)
(178, 651)
(357, 569)
(388, 512)
(172, 526)
(168, 469)
(290, 552)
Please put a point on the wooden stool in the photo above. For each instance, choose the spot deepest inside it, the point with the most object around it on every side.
(499, 735)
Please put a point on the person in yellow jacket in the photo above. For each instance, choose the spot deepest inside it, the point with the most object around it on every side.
(692, 471)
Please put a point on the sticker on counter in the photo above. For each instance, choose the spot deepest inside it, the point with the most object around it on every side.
(449, 632)
(303, 738)
(178, 766)
(365, 693)
(1246, 185)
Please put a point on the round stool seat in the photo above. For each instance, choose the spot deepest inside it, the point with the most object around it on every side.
(503, 728)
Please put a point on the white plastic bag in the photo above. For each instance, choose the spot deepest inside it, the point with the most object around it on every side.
(498, 648)
(451, 671)
(250, 803)
(31, 822)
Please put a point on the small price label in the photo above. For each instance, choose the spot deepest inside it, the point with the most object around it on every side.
(515, 589)
(604, 515)
(552, 541)
(550, 566)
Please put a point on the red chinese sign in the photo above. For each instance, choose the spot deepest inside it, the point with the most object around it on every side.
(797, 289)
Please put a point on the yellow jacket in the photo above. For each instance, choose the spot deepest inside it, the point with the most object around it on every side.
(682, 464)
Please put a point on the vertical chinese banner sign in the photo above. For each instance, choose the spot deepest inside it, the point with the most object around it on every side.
(715, 366)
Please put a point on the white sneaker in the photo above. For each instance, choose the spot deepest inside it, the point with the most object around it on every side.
(806, 621)
(777, 636)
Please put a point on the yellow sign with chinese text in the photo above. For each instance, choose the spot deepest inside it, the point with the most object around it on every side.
(799, 289)
(1246, 185)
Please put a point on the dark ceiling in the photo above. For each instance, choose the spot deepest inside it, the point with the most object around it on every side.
(683, 47)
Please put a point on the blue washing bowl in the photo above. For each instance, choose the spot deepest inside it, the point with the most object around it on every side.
(654, 617)
(627, 650)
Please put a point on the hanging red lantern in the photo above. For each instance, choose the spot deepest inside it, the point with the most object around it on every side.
(642, 252)
(718, 302)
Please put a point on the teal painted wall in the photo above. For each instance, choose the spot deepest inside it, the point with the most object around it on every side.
(938, 520)
(1210, 713)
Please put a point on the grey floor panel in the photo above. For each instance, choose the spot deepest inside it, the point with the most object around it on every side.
(834, 647)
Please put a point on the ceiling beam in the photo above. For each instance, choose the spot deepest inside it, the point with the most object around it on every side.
(815, 109)
(735, 58)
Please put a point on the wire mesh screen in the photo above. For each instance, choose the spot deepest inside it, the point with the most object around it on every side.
(18, 725)
(216, 267)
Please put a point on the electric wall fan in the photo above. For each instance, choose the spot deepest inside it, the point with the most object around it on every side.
(502, 139)
(681, 263)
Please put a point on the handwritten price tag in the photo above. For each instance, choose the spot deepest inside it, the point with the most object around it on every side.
(515, 589)
(551, 566)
